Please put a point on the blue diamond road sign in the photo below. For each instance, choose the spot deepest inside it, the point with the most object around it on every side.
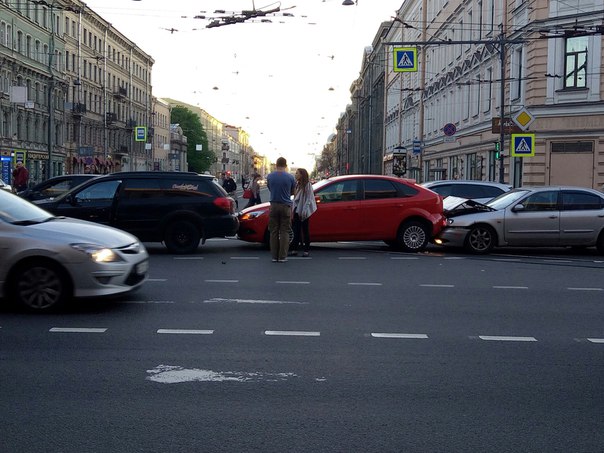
(405, 59)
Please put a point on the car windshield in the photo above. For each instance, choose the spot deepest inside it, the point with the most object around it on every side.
(16, 210)
(507, 198)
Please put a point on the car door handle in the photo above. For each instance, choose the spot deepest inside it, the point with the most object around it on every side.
(553, 217)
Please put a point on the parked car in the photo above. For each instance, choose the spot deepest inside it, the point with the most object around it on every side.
(176, 208)
(481, 191)
(4, 186)
(527, 217)
(47, 260)
(362, 208)
(55, 186)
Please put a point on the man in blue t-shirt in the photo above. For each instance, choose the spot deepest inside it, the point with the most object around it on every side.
(281, 185)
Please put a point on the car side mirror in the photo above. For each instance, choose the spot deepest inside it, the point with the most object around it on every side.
(518, 208)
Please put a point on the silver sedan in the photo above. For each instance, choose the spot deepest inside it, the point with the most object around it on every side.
(47, 260)
(527, 217)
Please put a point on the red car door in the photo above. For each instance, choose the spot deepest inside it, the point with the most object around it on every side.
(338, 215)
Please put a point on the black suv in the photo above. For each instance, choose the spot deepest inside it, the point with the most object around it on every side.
(176, 208)
(54, 186)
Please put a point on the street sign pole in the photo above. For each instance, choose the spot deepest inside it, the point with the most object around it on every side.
(502, 109)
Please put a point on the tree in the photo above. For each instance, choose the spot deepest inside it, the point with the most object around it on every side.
(199, 161)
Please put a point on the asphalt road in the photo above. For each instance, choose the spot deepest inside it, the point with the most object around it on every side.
(356, 348)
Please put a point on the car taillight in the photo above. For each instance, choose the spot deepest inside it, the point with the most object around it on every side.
(225, 203)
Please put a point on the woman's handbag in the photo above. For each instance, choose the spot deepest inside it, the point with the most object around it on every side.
(247, 193)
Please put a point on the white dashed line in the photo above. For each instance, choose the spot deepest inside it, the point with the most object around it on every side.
(510, 287)
(245, 257)
(148, 302)
(364, 284)
(557, 261)
(507, 260)
(428, 285)
(454, 258)
(286, 282)
(157, 279)
(215, 300)
(404, 258)
(291, 333)
(188, 257)
(221, 281)
(419, 336)
(504, 338)
(596, 340)
(585, 289)
(186, 331)
(352, 257)
(78, 330)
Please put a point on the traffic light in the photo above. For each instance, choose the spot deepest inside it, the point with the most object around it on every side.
(497, 150)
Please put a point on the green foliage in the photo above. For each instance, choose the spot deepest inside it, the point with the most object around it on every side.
(199, 161)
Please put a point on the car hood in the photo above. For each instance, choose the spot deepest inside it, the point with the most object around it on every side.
(81, 231)
(455, 206)
(257, 207)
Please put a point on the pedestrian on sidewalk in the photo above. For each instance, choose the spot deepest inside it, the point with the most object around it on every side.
(20, 177)
(281, 185)
(303, 207)
(254, 187)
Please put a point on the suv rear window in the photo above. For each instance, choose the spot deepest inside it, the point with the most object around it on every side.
(187, 187)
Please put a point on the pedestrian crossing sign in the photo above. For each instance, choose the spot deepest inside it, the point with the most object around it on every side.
(405, 59)
(523, 145)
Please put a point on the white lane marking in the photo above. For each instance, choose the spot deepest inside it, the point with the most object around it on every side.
(148, 302)
(585, 289)
(215, 300)
(557, 261)
(221, 281)
(157, 279)
(352, 257)
(78, 330)
(169, 374)
(505, 338)
(364, 284)
(596, 340)
(245, 257)
(454, 258)
(428, 285)
(399, 335)
(286, 282)
(186, 331)
(404, 258)
(188, 257)
(218, 239)
(510, 260)
(292, 333)
(510, 287)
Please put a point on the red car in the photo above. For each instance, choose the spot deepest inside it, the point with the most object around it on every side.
(362, 208)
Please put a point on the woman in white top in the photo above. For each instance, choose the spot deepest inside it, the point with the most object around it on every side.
(304, 206)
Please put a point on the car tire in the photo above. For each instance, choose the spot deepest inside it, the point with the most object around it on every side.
(413, 236)
(182, 237)
(600, 243)
(481, 239)
(40, 286)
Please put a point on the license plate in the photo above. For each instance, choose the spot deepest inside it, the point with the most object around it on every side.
(142, 268)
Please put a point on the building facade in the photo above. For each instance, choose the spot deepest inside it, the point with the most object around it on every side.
(483, 63)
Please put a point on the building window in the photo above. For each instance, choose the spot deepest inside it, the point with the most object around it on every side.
(575, 62)
(517, 76)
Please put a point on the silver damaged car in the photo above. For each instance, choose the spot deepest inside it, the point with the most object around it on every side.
(47, 260)
(526, 217)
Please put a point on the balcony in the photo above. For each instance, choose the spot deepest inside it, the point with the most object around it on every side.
(120, 93)
(78, 109)
(122, 150)
(110, 118)
(130, 124)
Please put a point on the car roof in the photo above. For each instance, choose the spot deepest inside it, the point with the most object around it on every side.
(370, 176)
(154, 174)
(466, 181)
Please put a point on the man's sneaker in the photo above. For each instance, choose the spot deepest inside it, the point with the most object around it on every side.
(274, 260)
(284, 260)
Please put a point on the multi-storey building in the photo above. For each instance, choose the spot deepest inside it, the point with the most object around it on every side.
(75, 92)
(162, 155)
(480, 64)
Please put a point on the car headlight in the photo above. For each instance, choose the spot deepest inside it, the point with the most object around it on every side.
(252, 215)
(98, 253)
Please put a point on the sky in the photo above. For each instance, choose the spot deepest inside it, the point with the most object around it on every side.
(285, 82)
